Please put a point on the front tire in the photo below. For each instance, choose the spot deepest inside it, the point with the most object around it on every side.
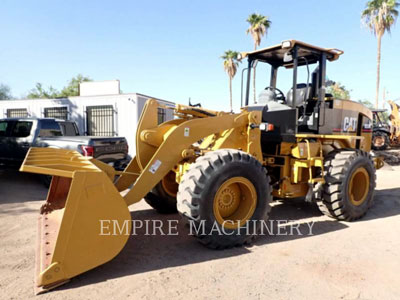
(223, 192)
(349, 186)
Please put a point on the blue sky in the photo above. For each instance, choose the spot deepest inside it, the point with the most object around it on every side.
(171, 49)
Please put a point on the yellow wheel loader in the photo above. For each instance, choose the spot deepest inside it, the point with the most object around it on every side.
(395, 123)
(385, 135)
(220, 170)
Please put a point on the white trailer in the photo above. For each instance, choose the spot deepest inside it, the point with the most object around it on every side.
(105, 115)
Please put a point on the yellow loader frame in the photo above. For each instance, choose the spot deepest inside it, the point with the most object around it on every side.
(83, 191)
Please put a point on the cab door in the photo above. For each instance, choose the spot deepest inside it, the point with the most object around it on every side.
(20, 140)
(4, 139)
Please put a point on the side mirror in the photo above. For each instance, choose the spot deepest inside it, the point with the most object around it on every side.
(288, 57)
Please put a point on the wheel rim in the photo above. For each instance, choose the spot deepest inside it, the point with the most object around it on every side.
(169, 184)
(379, 141)
(359, 186)
(235, 202)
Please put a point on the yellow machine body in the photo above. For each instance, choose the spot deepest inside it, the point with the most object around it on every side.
(83, 191)
(395, 123)
(284, 143)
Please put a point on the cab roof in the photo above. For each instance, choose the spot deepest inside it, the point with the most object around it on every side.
(274, 55)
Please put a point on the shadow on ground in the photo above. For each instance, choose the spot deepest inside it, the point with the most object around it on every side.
(386, 204)
(156, 252)
(145, 253)
(17, 188)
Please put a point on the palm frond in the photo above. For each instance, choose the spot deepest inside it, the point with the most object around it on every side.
(231, 62)
(380, 15)
(258, 27)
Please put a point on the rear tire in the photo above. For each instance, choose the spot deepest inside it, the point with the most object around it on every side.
(219, 188)
(163, 196)
(349, 186)
(380, 140)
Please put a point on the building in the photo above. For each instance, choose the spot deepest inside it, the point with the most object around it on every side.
(108, 114)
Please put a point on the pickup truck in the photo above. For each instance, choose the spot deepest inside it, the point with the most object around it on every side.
(17, 135)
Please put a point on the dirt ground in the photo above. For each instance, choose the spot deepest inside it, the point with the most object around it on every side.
(341, 260)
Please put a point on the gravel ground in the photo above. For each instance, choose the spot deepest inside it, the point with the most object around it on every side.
(340, 260)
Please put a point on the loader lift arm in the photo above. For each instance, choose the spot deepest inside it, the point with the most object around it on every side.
(174, 142)
(82, 192)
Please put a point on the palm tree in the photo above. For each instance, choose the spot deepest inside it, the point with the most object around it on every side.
(230, 66)
(379, 16)
(258, 28)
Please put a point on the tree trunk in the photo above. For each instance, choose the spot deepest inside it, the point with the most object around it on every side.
(378, 67)
(384, 97)
(230, 92)
(254, 78)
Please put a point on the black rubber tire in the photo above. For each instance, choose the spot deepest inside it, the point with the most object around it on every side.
(339, 167)
(384, 136)
(201, 182)
(160, 200)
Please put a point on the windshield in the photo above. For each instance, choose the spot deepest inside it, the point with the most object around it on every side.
(15, 128)
(284, 80)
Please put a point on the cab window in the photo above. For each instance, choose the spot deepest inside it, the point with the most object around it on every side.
(3, 128)
(21, 129)
(69, 129)
(49, 128)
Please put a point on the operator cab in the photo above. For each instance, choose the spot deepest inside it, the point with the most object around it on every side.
(299, 109)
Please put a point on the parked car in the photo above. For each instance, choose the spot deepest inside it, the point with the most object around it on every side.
(17, 135)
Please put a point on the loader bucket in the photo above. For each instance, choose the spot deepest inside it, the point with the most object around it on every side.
(75, 223)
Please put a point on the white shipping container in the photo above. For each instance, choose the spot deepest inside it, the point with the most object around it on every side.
(109, 115)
